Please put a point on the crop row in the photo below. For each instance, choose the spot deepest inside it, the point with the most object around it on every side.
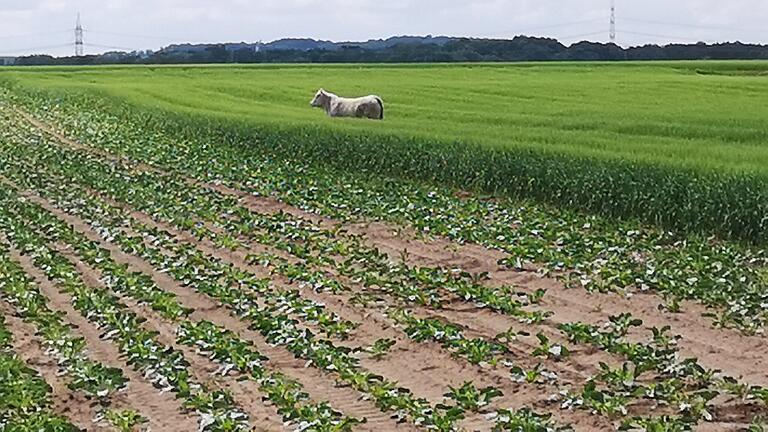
(592, 252)
(163, 366)
(284, 393)
(417, 327)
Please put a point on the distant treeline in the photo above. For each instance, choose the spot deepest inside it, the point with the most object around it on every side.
(520, 48)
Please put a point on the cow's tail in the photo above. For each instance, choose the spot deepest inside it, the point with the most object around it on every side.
(381, 106)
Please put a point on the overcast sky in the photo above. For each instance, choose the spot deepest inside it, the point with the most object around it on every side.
(46, 26)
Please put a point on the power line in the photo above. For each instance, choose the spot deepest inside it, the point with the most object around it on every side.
(660, 36)
(29, 35)
(698, 26)
(601, 32)
(38, 48)
(133, 36)
(111, 47)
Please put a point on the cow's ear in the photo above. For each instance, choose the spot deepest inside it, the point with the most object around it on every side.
(322, 91)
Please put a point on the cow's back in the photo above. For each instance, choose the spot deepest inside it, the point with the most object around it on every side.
(367, 106)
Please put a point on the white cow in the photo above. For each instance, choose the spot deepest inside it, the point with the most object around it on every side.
(368, 106)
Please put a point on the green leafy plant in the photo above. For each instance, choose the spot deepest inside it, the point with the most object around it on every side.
(548, 349)
(380, 348)
(125, 420)
(470, 398)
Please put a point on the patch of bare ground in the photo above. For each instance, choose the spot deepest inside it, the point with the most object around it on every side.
(163, 411)
(733, 415)
(722, 427)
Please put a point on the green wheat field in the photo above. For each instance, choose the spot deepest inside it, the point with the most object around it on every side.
(707, 115)
(679, 144)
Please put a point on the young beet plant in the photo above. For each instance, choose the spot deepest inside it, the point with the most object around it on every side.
(380, 348)
(125, 420)
(551, 350)
(472, 399)
(525, 420)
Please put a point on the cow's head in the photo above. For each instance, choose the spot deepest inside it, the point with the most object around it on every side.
(321, 99)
